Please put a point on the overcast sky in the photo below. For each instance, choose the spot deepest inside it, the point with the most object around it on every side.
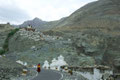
(18, 11)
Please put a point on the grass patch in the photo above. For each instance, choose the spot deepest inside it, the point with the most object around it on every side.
(6, 43)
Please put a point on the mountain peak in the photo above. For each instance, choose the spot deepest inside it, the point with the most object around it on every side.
(37, 19)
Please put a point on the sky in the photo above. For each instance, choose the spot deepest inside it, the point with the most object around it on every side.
(18, 11)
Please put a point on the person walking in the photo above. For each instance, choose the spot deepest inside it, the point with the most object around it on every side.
(38, 68)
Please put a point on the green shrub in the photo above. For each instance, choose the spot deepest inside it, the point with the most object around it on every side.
(2, 52)
(6, 43)
(5, 46)
(13, 32)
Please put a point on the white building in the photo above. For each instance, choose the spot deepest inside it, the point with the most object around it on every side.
(56, 64)
(61, 61)
(53, 65)
(46, 65)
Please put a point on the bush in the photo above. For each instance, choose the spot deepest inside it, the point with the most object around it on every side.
(2, 52)
(5, 46)
(6, 43)
(13, 32)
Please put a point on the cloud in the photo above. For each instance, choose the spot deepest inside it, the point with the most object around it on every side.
(12, 14)
(18, 11)
(51, 9)
(9, 12)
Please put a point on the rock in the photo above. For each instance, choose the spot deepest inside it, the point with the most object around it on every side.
(20, 62)
(33, 47)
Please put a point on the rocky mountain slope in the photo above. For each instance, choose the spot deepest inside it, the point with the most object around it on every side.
(95, 31)
(28, 44)
(102, 15)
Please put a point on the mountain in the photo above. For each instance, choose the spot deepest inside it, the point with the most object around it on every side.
(95, 31)
(92, 29)
(41, 25)
(90, 36)
(102, 14)
(36, 22)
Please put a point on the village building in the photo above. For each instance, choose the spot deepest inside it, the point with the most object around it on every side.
(28, 28)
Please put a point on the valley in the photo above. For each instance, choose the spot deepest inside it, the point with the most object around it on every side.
(89, 37)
